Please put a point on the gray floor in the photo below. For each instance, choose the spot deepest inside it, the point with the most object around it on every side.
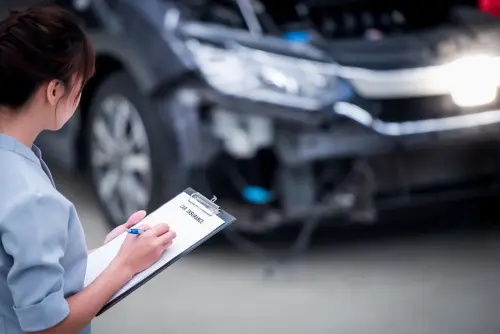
(423, 284)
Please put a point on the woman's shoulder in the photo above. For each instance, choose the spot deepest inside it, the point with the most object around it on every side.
(18, 176)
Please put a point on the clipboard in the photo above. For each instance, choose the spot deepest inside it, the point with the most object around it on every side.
(189, 206)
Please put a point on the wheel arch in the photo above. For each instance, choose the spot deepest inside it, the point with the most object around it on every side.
(105, 66)
(109, 63)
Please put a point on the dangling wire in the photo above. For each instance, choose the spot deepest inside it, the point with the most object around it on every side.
(300, 245)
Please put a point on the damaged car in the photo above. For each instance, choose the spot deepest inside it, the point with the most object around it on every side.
(286, 110)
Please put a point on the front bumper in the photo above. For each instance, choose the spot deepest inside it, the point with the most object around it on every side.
(348, 128)
(425, 126)
(416, 149)
(357, 133)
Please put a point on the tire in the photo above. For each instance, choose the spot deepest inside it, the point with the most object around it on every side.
(130, 187)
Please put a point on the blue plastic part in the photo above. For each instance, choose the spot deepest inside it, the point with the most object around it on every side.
(297, 36)
(345, 91)
(257, 195)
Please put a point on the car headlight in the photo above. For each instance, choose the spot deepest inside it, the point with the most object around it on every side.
(265, 76)
(474, 80)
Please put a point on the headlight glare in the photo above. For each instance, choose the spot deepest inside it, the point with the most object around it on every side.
(473, 80)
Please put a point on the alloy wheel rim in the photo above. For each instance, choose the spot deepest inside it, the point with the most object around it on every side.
(121, 159)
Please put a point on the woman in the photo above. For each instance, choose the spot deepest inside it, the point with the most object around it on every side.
(45, 60)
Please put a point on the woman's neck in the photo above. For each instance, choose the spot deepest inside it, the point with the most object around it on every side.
(21, 127)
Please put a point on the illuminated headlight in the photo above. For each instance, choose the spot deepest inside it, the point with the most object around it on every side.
(474, 80)
(265, 76)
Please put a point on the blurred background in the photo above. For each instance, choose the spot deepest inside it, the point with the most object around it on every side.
(355, 141)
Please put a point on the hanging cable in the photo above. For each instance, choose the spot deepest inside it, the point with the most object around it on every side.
(300, 245)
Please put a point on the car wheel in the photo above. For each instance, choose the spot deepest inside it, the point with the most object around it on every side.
(122, 132)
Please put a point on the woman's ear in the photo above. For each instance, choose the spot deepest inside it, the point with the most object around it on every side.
(55, 91)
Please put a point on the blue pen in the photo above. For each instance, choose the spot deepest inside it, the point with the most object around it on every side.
(135, 231)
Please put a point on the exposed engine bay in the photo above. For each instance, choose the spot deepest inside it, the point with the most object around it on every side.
(330, 18)
(351, 19)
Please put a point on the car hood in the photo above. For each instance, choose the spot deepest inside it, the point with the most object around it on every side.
(387, 34)
(418, 49)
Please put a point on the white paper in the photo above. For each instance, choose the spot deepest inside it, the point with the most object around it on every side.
(176, 213)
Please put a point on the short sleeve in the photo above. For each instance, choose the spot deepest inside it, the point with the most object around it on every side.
(34, 233)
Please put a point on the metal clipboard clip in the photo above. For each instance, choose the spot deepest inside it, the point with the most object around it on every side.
(205, 204)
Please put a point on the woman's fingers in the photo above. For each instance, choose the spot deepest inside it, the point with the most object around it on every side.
(167, 238)
(132, 221)
(157, 230)
(135, 219)
(162, 232)
(144, 227)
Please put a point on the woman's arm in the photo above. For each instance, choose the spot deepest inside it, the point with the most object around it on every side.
(86, 304)
(136, 254)
(34, 233)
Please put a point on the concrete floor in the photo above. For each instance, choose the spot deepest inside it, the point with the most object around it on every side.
(438, 282)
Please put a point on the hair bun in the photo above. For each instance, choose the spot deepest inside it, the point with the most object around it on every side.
(40, 44)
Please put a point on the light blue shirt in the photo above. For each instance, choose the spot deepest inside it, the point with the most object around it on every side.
(43, 255)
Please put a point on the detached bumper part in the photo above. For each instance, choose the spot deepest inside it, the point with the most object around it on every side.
(357, 136)
(364, 118)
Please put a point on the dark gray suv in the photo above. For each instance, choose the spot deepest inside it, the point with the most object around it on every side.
(286, 109)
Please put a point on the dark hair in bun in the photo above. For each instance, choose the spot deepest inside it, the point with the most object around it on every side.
(38, 45)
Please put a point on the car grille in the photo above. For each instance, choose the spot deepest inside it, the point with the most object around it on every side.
(419, 108)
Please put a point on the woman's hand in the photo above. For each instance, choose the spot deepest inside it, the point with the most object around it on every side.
(139, 252)
(133, 220)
